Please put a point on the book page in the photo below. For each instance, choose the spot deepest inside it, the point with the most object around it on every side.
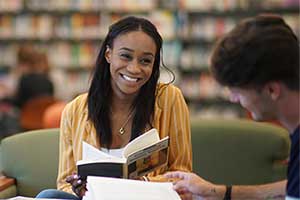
(116, 189)
(90, 154)
(144, 140)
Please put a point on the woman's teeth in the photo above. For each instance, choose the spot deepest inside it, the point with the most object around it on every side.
(130, 78)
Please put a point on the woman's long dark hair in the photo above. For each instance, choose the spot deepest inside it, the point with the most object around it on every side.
(99, 95)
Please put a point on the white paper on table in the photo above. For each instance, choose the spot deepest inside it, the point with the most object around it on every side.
(102, 188)
(28, 198)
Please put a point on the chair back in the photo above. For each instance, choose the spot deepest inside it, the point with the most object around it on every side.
(32, 159)
(31, 116)
(239, 151)
(52, 115)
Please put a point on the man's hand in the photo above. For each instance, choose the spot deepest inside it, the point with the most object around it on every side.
(191, 183)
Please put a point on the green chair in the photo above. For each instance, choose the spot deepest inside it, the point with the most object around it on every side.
(239, 151)
(31, 159)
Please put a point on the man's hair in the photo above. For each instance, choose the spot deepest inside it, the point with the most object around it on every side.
(258, 50)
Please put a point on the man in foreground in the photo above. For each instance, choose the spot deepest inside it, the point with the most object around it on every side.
(259, 63)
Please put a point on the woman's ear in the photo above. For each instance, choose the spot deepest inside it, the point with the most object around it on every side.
(108, 54)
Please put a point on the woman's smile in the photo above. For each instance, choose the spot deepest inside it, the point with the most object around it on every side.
(130, 78)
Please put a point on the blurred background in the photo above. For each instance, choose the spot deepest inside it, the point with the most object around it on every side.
(48, 48)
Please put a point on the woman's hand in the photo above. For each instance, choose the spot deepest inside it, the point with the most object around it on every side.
(78, 184)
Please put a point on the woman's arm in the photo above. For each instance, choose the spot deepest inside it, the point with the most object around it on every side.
(67, 164)
(180, 154)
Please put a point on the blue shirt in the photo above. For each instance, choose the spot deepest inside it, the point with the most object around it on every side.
(293, 184)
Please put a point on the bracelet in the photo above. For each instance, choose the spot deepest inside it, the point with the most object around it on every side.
(228, 192)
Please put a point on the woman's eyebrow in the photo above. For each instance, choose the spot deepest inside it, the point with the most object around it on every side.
(127, 49)
(131, 50)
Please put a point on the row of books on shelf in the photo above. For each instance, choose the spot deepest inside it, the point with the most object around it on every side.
(207, 29)
(226, 5)
(194, 58)
(82, 5)
(93, 26)
(74, 26)
(69, 85)
(138, 5)
(60, 55)
(202, 86)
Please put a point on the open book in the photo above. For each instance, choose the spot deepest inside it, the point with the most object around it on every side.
(139, 157)
(116, 189)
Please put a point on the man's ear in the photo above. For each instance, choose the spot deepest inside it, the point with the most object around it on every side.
(108, 54)
(273, 89)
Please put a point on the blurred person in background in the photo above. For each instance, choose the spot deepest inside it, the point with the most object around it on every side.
(34, 81)
(10, 98)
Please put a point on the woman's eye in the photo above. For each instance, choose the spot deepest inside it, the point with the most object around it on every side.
(146, 61)
(125, 56)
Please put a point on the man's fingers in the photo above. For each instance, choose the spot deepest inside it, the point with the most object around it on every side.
(182, 191)
(186, 196)
(175, 174)
(180, 185)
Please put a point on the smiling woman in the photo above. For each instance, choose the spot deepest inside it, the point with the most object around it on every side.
(124, 101)
(131, 61)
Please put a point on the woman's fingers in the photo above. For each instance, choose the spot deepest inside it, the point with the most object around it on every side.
(78, 185)
(72, 178)
(79, 188)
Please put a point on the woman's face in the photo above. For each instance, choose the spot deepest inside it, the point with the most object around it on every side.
(131, 62)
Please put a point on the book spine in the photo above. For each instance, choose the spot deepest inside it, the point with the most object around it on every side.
(125, 171)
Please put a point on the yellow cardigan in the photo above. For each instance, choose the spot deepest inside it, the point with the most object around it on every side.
(171, 119)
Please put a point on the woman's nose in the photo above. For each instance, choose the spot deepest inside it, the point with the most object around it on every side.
(134, 67)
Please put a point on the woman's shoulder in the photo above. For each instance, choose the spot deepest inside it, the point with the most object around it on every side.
(78, 104)
(167, 90)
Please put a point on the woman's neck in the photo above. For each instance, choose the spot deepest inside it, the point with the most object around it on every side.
(123, 102)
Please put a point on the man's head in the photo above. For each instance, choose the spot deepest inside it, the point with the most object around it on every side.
(257, 56)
